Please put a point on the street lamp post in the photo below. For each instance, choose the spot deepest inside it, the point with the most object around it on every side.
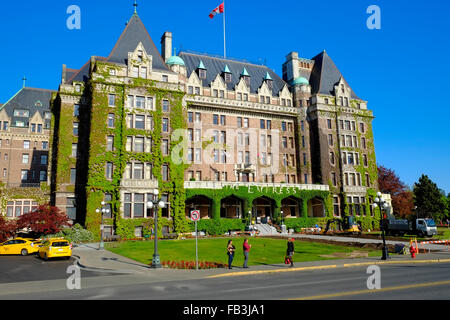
(382, 204)
(103, 210)
(155, 205)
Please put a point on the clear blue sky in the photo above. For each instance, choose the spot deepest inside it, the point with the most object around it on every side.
(402, 70)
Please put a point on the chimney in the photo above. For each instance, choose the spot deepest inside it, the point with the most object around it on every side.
(64, 74)
(292, 67)
(166, 45)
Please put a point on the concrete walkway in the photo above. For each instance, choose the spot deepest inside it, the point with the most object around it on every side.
(89, 257)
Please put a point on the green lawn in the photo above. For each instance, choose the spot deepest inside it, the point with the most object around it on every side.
(264, 251)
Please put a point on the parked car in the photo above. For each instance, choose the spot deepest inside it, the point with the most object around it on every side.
(55, 248)
(20, 246)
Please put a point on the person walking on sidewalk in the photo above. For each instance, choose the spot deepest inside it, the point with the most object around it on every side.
(290, 251)
(230, 251)
(246, 248)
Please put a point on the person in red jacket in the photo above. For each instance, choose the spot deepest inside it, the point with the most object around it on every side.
(246, 248)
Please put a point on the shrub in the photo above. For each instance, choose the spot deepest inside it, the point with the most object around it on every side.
(44, 220)
(76, 234)
(7, 228)
(216, 227)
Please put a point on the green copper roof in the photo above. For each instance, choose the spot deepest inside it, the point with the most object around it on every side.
(201, 65)
(226, 69)
(175, 60)
(245, 73)
(301, 81)
(268, 77)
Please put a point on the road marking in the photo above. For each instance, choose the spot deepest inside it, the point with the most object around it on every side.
(367, 291)
(246, 273)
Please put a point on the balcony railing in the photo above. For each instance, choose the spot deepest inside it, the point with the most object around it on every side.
(220, 185)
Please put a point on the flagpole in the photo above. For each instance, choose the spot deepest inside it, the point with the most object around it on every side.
(224, 33)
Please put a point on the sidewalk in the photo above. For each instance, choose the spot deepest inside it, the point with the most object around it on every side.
(90, 258)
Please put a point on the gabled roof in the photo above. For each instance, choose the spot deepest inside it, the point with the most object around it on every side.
(134, 33)
(29, 99)
(325, 75)
(215, 66)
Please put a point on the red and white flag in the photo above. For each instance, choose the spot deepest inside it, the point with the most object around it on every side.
(219, 9)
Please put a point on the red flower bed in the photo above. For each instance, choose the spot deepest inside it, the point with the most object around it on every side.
(191, 265)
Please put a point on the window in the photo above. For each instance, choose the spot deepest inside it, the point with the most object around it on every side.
(198, 117)
(110, 143)
(365, 160)
(333, 178)
(246, 122)
(111, 120)
(127, 205)
(269, 125)
(74, 150)
(190, 117)
(112, 100)
(143, 72)
(44, 160)
(330, 140)
(165, 147)
(165, 78)
(283, 126)
(223, 120)
(216, 119)
(202, 73)
(165, 105)
(329, 124)
(139, 122)
(332, 160)
(138, 144)
(76, 110)
(197, 135)
(165, 172)
(73, 176)
(138, 171)
(165, 124)
(45, 145)
(198, 155)
(140, 102)
(361, 127)
(5, 125)
(284, 142)
(26, 144)
(25, 158)
(139, 201)
(239, 122)
(263, 124)
(109, 170)
(363, 142)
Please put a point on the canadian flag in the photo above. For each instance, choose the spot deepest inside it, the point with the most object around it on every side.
(219, 9)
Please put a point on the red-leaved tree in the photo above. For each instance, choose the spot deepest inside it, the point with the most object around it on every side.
(44, 220)
(402, 197)
(7, 228)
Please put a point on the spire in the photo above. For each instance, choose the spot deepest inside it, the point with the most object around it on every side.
(24, 79)
(135, 5)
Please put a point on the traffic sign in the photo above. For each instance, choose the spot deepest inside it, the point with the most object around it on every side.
(195, 215)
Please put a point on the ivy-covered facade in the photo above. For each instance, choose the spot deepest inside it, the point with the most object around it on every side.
(228, 138)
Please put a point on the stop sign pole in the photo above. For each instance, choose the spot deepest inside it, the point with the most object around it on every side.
(195, 216)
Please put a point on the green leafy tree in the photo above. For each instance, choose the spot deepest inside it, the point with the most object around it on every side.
(428, 199)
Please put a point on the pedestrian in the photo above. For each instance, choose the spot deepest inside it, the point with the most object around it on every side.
(230, 251)
(290, 251)
(246, 248)
(448, 223)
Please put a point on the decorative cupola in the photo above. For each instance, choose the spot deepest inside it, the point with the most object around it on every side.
(269, 81)
(201, 70)
(176, 64)
(246, 77)
(226, 73)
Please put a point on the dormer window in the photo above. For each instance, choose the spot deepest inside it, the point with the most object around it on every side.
(269, 81)
(246, 77)
(201, 70)
(140, 56)
(227, 74)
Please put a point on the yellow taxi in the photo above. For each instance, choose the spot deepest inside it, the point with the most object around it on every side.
(23, 246)
(55, 248)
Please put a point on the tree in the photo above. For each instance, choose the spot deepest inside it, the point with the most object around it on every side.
(402, 197)
(7, 228)
(44, 220)
(428, 199)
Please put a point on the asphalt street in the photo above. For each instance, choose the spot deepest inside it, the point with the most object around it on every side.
(421, 281)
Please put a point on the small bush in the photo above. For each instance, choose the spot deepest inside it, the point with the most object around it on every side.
(76, 234)
(216, 227)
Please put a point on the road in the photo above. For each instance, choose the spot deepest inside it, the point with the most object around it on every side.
(23, 278)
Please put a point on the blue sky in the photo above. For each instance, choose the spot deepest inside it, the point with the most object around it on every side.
(402, 69)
